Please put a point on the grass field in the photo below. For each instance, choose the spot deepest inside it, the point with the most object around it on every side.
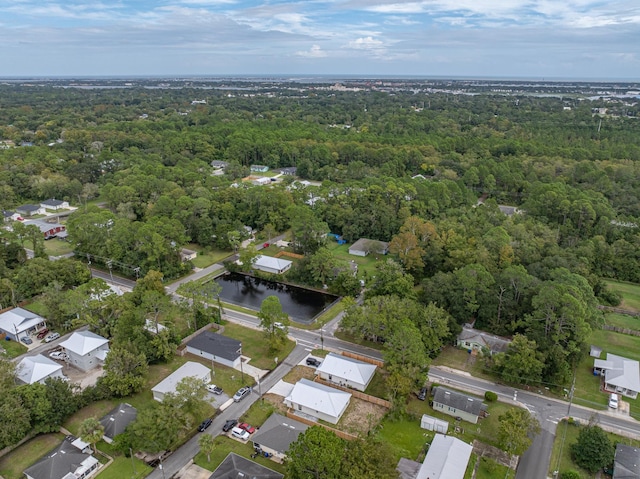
(12, 465)
(366, 264)
(630, 293)
(122, 467)
(207, 257)
(13, 348)
(256, 347)
(57, 247)
(623, 321)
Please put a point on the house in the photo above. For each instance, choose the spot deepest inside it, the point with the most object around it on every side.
(272, 265)
(188, 369)
(30, 210)
(621, 375)
(476, 340)
(49, 230)
(261, 181)
(318, 400)
(9, 216)
(431, 423)
(86, 350)
(18, 322)
(53, 204)
(219, 164)
(259, 168)
(458, 405)
(117, 420)
(626, 462)
(187, 254)
(237, 467)
(447, 458)
(217, 348)
(364, 246)
(509, 210)
(276, 435)
(346, 371)
(36, 369)
(289, 170)
(64, 462)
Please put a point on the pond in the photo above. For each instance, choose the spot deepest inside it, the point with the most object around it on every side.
(302, 305)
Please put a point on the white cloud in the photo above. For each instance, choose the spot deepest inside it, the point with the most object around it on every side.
(314, 52)
(366, 43)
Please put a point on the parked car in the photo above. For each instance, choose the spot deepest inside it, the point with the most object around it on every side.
(205, 424)
(42, 333)
(422, 395)
(51, 337)
(613, 401)
(20, 218)
(266, 245)
(241, 394)
(212, 388)
(229, 425)
(60, 355)
(240, 433)
(278, 325)
(250, 429)
(26, 340)
(313, 362)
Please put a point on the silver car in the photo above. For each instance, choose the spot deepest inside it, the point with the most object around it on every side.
(241, 394)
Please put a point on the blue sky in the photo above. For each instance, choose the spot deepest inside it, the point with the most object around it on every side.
(495, 38)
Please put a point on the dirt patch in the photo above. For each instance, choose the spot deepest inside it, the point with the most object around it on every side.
(361, 416)
(481, 449)
(298, 373)
(278, 404)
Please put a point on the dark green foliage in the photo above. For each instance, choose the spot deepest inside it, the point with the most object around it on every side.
(593, 450)
(570, 474)
(490, 396)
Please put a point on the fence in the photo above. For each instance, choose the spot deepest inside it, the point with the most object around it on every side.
(618, 310)
(356, 394)
(365, 359)
(309, 422)
(290, 255)
(617, 329)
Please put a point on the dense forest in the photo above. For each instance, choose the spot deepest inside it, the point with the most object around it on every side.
(425, 171)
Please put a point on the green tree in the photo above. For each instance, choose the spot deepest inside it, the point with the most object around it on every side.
(521, 363)
(593, 450)
(369, 459)
(91, 431)
(274, 321)
(308, 232)
(207, 445)
(18, 419)
(125, 371)
(390, 279)
(317, 454)
(248, 257)
(516, 427)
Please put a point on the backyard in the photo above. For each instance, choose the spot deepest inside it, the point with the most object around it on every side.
(630, 294)
(207, 256)
(366, 264)
(57, 247)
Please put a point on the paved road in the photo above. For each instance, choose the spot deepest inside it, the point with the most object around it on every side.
(184, 454)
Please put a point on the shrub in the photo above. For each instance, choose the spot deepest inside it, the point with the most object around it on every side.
(490, 396)
(570, 474)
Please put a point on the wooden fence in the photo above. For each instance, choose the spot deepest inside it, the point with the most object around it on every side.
(356, 394)
(611, 309)
(364, 359)
(309, 422)
(617, 329)
(289, 254)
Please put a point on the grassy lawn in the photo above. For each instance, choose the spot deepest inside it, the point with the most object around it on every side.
(36, 306)
(13, 348)
(206, 256)
(405, 437)
(366, 264)
(225, 445)
(12, 465)
(362, 342)
(378, 385)
(460, 359)
(623, 321)
(570, 434)
(630, 293)
(255, 346)
(258, 413)
(490, 469)
(57, 247)
(122, 467)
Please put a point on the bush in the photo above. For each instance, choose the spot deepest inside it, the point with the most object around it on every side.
(570, 474)
(593, 450)
(490, 396)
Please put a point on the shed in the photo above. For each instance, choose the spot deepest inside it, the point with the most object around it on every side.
(431, 423)
(216, 347)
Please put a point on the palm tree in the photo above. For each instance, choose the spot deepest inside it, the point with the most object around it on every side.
(91, 431)
(207, 445)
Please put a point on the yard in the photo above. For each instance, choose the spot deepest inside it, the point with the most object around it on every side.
(630, 293)
(122, 466)
(366, 264)
(623, 321)
(255, 346)
(457, 358)
(207, 256)
(57, 247)
(12, 464)
(360, 417)
(13, 348)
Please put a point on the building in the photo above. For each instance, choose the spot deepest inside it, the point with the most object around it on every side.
(30, 210)
(476, 340)
(431, 423)
(86, 350)
(8, 216)
(49, 230)
(447, 458)
(458, 405)
(18, 322)
(276, 435)
(364, 246)
(318, 400)
(53, 204)
(261, 181)
(272, 265)
(259, 168)
(289, 170)
(346, 371)
(217, 348)
(117, 420)
(219, 164)
(36, 369)
(187, 370)
(621, 375)
(187, 254)
(626, 462)
(237, 467)
(64, 462)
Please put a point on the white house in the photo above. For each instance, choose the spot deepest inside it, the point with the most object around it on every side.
(364, 246)
(447, 458)
(318, 400)
(261, 181)
(53, 204)
(276, 435)
(272, 265)
(346, 371)
(64, 462)
(188, 369)
(86, 350)
(621, 375)
(18, 322)
(216, 347)
(30, 210)
(36, 369)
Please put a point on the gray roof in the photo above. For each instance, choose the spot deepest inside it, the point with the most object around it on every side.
(278, 432)
(235, 467)
(216, 344)
(626, 464)
(117, 420)
(457, 400)
(28, 207)
(52, 202)
(370, 246)
(495, 344)
(59, 462)
(7, 214)
(407, 468)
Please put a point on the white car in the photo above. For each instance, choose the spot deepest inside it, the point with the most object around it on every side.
(51, 337)
(240, 433)
(60, 355)
(613, 401)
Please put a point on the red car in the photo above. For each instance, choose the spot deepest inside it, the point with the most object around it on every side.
(247, 427)
(266, 245)
(42, 333)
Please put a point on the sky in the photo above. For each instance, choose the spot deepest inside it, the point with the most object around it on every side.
(566, 39)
